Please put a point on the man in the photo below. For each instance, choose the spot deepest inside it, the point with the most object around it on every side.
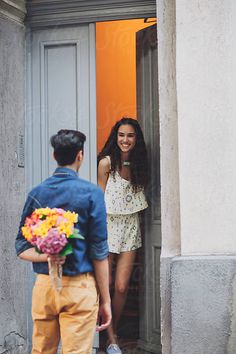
(69, 315)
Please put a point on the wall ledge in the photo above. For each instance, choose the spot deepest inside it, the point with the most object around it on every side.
(41, 13)
(197, 257)
(15, 10)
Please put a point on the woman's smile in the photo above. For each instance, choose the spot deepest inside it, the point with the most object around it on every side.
(126, 137)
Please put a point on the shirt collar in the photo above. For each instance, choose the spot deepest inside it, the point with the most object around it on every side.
(64, 171)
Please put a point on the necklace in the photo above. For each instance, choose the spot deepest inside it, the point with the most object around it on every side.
(126, 163)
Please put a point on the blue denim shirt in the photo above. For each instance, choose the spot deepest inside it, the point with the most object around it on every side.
(64, 189)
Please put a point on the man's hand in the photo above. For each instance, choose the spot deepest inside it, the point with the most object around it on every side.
(56, 258)
(104, 316)
(102, 278)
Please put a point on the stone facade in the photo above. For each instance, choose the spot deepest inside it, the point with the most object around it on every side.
(197, 85)
(13, 304)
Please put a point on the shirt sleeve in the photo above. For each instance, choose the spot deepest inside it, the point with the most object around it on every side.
(97, 228)
(21, 244)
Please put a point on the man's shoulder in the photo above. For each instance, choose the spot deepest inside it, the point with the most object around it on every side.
(39, 186)
(78, 184)
(35, 189)
(89, 186)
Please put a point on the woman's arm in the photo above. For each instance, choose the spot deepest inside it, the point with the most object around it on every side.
(103, 172)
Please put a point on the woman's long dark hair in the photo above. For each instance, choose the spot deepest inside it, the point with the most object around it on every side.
(137, 156)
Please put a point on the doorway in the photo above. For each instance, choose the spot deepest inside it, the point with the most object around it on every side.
(62, 93)
(115, 73)
(126, 86)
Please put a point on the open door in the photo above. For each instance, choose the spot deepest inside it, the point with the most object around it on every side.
(147, 109)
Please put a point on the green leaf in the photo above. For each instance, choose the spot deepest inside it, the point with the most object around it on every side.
(77, 235)
(68, 249)
(38, 250)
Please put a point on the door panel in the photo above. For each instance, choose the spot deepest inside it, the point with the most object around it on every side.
(147, 108)
(62, 95)
(60, 69)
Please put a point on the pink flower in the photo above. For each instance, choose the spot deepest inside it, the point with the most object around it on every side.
(53, 243)
(59, 211)
(60, 219)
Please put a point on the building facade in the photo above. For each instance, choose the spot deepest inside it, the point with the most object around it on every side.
(197, 130)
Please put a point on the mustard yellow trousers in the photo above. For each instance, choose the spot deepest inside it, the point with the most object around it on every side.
(69, 315)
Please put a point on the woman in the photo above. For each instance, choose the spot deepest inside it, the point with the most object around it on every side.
(122, 174)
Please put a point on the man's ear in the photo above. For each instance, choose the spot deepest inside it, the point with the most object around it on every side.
(80, 155)
(53, 155)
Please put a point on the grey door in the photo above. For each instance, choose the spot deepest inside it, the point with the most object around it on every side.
(147, 105)
(61, 93)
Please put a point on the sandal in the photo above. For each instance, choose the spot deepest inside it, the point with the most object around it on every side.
(113, 349)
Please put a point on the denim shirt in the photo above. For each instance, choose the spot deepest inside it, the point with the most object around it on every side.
(64, 189)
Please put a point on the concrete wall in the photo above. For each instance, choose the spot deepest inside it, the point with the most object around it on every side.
(168, 128)
(197, 85)
(206, 87)
(203, 305)
(13, 303)
(170, 211)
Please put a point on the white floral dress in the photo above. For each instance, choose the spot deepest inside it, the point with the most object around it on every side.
(123, 206)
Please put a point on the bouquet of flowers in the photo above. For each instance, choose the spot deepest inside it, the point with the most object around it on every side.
(48, 230)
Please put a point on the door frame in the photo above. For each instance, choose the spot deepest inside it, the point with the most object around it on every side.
(148, 116)
(45, 13)
(32, 178)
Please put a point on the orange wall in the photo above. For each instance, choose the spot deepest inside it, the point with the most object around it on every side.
(116, 73)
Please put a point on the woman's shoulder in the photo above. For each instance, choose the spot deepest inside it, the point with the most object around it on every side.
(105, 162)
(104, 167)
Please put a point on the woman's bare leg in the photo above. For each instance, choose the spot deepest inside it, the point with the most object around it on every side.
(124, 267)
(111, 262)
(110, 332)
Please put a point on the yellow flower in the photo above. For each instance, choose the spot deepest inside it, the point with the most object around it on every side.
(26, 231)
(44, 219)
(44, 212)
(50, 221)
(72, 217)
(65, 228)
(41, 230)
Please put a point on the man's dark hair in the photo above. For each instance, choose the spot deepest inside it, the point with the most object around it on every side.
(66, 145)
